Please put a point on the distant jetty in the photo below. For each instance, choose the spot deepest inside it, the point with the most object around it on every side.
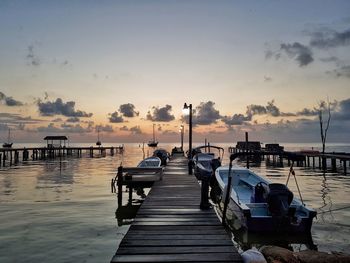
(275, 154)
(56, 147)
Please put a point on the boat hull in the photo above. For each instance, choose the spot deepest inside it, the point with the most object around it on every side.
(241, 218)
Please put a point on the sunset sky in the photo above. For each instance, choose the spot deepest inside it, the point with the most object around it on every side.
(68, 67)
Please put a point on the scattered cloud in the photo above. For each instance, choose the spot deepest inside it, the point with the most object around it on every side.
(301, 53)
(9, 101)
(343, 71)
(136, 130)
(267, 79)
(343, 112)
(104, 128)
(64, 128)
(58, 107)
(161, 114)
(124, 128)
(73, 119)
(32, 58)
(115, 117)
(15, 118)
(326, 38)
(236, 119)
(128, 110)
(206, 114)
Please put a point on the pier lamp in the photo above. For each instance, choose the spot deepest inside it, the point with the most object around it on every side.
(187, 109)
(181, 130)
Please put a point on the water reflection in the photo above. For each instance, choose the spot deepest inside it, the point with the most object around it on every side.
(126, 213)
(295, 242)
(326, 199)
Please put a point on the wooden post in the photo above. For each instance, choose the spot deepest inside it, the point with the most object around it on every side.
(308, 161)
(344, 166)
(120, 185)
(16, 157)
(319, 162)
(334, 164)
(246, 147)
(4, 159)
(281, 160)
(10, 152)
(313, 162)
(0, 159)
(228, 194)
(130, 194)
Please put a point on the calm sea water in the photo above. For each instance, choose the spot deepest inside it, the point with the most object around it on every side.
(65, 211)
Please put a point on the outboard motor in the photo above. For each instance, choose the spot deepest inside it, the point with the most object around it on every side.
(279, 199)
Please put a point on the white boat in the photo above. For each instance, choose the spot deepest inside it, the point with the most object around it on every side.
(154, 142)
(150, 162)
(262, 206)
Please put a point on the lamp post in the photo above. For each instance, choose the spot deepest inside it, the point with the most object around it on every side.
(189, 108)
(182, 136)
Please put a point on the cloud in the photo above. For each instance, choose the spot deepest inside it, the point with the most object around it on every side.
(32, 58)
(302, 54)
(72, 119)
(105, 128)
(14, 118)
(343, 112)
(307, 112)
(64, 128)
(328, 38)
(330, 59)
(9, 101)
(236, 119)
(162, 114)
(124, 128)
(267, 79)
(128, 110)
(115, 118)
(254, 109)
(341, 72)
(206, 114)
(58, 107)
(136, 130)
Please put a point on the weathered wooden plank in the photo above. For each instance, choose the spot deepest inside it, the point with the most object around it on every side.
(169, 242)
(174, 223)
(173, 250)
(169, 227)
(132, 236)
(224, 257)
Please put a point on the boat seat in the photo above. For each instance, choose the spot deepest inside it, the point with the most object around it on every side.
(249, 183)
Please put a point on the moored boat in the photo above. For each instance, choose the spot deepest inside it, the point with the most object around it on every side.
(153, 142)
(150, 162)
(205, 163)
(163, 155)
(262, 206)
(8, 144)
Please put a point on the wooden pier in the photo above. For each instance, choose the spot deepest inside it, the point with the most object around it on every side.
(170, 227)
(12, 156)
(314, 159)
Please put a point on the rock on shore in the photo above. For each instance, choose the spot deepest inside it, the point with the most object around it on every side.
(274, 254)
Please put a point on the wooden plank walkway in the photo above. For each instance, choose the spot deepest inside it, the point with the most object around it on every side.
(170, 227)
